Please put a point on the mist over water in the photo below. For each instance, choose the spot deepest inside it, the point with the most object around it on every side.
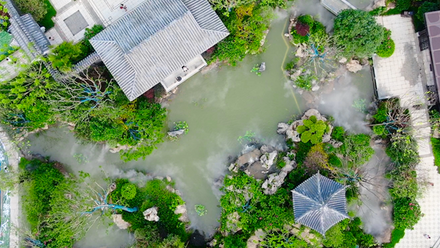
(219, 107)
(349, 89)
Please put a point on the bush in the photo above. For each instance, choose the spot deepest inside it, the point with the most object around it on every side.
(379, 130)
(128, 191)
(406, 213)
(36, 8)
(426, 7)
(46, 21)
(338, 133)
(312, 130)
(316, 159)
(356, 149)
(90, 33)
(403, 150)
(386, 48)
(63, 55)
(357, 33)
(246, 25)
(396, 236)
(436, 151)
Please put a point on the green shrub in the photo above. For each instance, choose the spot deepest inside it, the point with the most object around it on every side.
(128, 191)
(63, 55)
(381, 114)
(357, 33)
(334, 161)
(386, 48)
(379, 130)
(406, 213)
(356, 149)
(36, 8)
(46, 21)
(396, 236)
(302, 149)
(403, 150)
(312, 130)
(305, 81)
(436, 151)
(426, 7)
(90, 33)
(338, 133)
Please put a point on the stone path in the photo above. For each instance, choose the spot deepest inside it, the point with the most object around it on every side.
(405, 75)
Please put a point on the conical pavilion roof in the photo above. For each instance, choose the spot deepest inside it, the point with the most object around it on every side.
(319, 203)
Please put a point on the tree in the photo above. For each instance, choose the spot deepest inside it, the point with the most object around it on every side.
(426, 7)
(37, 8)
(357, 33)
(63, 55)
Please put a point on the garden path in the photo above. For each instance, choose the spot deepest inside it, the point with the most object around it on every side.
(403, 75)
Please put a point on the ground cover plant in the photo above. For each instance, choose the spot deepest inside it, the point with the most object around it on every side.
(91, 101)
(386, 48)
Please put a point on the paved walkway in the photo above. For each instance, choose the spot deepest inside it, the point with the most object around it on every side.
(404, 75)
(15, 207)
(10, 69)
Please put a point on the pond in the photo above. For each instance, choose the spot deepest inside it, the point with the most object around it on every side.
(219, 106)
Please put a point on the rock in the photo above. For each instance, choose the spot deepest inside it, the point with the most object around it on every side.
(296, 74)
(233, 168)
(169, 179)
(181, 209)
(268, 159)
(354, 66)
(118, 148)
(293, 135)
(311, 112)
(122, 224)
(254, 240)
(232, 221)
(282, 128)
(286, 34)
(151, 214)
(326, 138)
(300, 91)
(248, 158)
(262, 67)
(176, 133)
(212, 243)
(257, 170)
(379, 3)
(275, 181)
(268, 148)
(436, 133)
(335, 143)
(315, 88)
(170, 189)
(343, 60)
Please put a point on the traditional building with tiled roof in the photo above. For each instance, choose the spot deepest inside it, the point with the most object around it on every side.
(160, 41)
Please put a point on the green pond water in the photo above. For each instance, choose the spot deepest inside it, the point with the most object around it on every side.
(219, 106)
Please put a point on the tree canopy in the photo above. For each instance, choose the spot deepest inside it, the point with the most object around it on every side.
(357, 33)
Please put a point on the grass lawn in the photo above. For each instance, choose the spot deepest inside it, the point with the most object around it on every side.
(47, 20)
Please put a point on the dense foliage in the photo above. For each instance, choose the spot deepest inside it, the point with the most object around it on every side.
(90, 33)
(4, 16)
(386, 48)
(436, 151)
(44, 203)
(246, 25)
(47, 21)
(92, 101)
(309, 31)
(62, 56)
(169, 231)
(357, 33)
(36, 8)
(348, 234)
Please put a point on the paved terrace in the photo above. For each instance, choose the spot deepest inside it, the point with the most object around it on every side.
(406, 75)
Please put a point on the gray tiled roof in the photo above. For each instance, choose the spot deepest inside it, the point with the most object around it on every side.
(27, 33)
(319, 203)
(149, 43)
